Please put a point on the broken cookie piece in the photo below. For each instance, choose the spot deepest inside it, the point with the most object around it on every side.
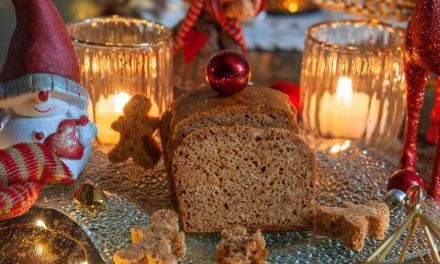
(161, 243)
(351, 223)
(238, 247)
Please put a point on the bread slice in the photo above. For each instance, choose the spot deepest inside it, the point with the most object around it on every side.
(352, 223)
(239, 247)
(236, 175)
(198, 108)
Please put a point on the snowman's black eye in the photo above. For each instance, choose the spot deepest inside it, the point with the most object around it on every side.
(43, 96)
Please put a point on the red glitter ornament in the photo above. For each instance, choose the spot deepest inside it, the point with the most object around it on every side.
(404, 179)
(432, 134)
(422, 56)
(434, 184)
(64, 142)
(228, 72)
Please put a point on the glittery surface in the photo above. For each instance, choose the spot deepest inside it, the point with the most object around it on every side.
(64, 142)
(354, 175)
(63, 88)
(21, 241)
(432, 133)
(434, 184)
(421, 57)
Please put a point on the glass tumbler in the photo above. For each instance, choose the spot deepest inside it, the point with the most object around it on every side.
(119, 58)
(352, 81)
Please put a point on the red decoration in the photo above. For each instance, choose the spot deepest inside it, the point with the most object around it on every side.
(43, 96)
(16, 199)
(194, 42)
(404, 179)
(24, 168)
(422, 56)
(40, 43)
(215, 8)
(82, 121)
(434, 184)
(39, 136)
(32, 162)
(64, 142)
(293, 91)
(228, 72)
(432, 134)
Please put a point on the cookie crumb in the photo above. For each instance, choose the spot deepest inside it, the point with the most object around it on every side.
(236, 246)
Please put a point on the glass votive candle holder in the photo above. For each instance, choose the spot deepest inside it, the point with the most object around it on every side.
(119, 58)
(352, 81)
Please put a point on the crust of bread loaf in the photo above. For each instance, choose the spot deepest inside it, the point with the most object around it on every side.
(254, 106)
(235, 175)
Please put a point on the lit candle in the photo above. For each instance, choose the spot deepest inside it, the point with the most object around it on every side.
(107, 111)
(347, 114)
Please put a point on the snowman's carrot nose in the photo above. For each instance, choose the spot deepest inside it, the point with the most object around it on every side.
(43, 96)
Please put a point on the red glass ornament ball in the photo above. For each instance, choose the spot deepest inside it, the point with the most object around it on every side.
(404, 179)
(228, 72)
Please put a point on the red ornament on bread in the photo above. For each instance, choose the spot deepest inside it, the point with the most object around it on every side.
(228, 72)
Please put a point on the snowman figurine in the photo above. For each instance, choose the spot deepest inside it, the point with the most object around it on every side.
(41, 99)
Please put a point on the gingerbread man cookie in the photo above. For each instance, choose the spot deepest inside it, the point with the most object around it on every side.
(136, 129)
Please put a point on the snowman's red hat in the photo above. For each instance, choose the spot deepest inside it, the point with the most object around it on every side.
(41, 56)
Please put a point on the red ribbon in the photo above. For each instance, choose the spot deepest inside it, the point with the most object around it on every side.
(214, 7)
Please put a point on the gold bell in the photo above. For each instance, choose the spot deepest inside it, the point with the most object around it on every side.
(89, 194)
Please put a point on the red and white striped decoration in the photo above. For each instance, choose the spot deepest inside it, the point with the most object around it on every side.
(187, 23)
(16, 199)
(214, 7)
(31, 162)
(24, 168)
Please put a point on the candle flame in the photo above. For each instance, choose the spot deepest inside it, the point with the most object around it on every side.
(291, 5)
(340, 147)
(40, 223)
(344, 91)
(120, 100)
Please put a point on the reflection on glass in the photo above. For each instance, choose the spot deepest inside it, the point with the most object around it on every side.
(352, 81)
(121, 57)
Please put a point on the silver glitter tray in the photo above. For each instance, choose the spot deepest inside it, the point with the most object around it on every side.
(134, 193)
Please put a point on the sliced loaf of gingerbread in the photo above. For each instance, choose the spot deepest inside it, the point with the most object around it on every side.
(260, 107)
(259, 178)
